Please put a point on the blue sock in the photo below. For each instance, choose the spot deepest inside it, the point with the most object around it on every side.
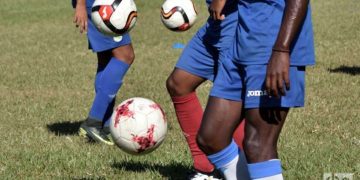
(270, 169)
(231, 162)
(99, 72)
(107, 85)
(224, 156)
(109, 111)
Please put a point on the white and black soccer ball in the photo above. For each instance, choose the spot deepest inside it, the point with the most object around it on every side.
(178, 15)
(138, 126)
(114, 17)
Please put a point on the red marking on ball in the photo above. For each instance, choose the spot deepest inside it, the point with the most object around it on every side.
(146, 141)
(184, 27)
(123, 110)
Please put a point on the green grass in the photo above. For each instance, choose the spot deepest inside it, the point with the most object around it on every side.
(46, 88)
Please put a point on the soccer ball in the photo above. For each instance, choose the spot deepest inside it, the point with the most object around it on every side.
(114, 17)
(138, 126)
(178, 15)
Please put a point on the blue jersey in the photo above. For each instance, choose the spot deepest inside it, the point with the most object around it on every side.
(220, 34)
(256, 33)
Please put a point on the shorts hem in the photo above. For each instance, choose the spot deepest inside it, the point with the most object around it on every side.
(109, 48)
(284, 105)
(262, 62)
(193, 72)
(227, 97)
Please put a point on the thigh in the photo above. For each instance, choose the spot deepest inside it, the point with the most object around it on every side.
(124, 53)
(183, 82)
(262, 130)
(221, 118)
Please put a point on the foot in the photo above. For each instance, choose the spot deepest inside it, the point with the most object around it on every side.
(93, 129)
(197, 175)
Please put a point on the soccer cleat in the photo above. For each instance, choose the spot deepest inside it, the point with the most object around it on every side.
(94, 130)
(106, 131)
(197, 175)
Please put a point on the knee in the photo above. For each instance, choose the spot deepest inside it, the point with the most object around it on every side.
(175, 87)
(251, 147)
(257, 150)
(203, 143)
(130, 56)
(207, 143)
(125, 54)
(171, 85)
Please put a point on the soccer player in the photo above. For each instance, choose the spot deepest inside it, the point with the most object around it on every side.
(266, 71)
(114, 56)
(198, 63)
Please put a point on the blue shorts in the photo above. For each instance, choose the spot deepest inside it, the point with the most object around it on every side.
(247, 83)
(99, 42)
(201, 55)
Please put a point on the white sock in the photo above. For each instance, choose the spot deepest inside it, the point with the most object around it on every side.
(236, 169)
(231, 162)
(229, 169)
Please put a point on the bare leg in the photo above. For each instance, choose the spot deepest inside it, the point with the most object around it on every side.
(124, 53)
(215, 136)
(181, 83)
(262, 132)
(220, 120)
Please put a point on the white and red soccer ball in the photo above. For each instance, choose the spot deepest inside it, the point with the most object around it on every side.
(178, 15)
(138, 126)
(114, 17)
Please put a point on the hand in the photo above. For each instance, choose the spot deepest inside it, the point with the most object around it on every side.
(215, 9)
(277, 74)
(80, 18)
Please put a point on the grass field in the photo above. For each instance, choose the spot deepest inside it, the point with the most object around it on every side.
(46, 88)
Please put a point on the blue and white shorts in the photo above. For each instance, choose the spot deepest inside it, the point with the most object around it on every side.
(246, 83)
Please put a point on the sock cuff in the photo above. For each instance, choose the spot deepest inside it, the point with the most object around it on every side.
(265, 169)
(185, 98)
(119, 62)
(225, 156)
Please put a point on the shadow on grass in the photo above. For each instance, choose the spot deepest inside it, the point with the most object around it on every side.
(64, 128)
(354, 70)
(173, 170)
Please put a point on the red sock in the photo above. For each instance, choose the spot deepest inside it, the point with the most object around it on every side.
(239, 134)
(189, 114)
